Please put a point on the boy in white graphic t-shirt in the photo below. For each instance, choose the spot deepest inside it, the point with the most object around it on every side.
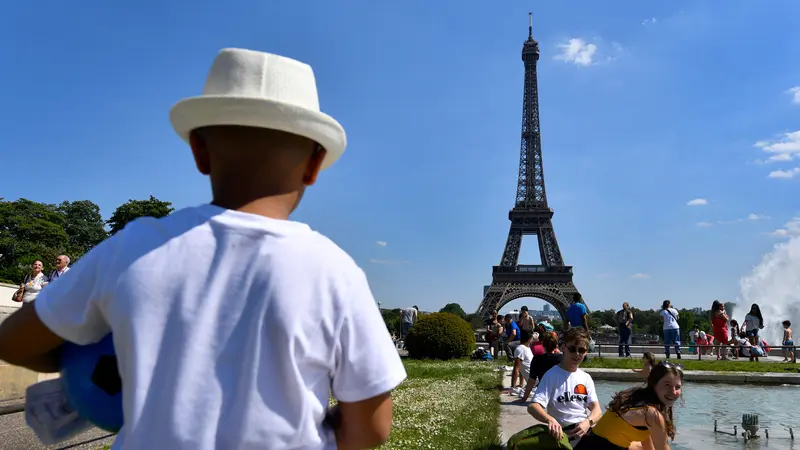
(203, 303)
(565, 392)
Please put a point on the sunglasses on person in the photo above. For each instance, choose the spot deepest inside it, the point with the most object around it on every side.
(670, 365)
(578, 350)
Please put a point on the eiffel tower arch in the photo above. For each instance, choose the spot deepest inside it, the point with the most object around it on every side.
(551, 280)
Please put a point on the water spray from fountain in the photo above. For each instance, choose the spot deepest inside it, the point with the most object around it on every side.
(774, 285)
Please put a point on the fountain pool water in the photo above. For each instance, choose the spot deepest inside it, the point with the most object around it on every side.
(775, 286)
(704, 403)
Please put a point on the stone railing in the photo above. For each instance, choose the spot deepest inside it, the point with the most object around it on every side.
(14, 380)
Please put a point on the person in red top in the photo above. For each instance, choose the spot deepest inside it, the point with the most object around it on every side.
(536, 345)
(719, 323)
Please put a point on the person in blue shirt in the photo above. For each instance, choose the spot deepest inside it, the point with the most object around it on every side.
(578, 316)
(577, 313)
(512, 336)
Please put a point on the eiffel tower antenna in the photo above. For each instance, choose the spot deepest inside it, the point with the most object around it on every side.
(530, 25)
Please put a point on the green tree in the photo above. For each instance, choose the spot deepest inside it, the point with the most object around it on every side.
(391, 318)
(29, 231)
(454, 308)
(686, 320)
(133, 209)
(476, 320)
(84, 226)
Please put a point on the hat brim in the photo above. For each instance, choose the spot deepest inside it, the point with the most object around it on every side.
(196, 112)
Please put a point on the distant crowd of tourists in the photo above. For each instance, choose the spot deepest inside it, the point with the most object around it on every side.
(726, 339)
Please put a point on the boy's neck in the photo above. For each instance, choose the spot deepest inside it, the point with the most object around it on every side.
(273, 206)
(569, 368)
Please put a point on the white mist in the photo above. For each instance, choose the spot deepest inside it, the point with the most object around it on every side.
(775, 286)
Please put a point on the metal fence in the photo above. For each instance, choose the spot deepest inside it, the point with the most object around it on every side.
(699, 349)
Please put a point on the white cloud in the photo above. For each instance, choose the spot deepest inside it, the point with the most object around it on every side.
(785, 148)
(704, 224)
(754, 216)
(697, 202)
(577, 51)
(381, 243)
(791, 228)
(784, 173)
(640, 276)
(795, 93)
(650, 21)
(387, 261)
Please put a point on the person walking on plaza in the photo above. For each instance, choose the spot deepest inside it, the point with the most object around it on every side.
(719, 325)
(624, 319)
(32, 284)
(512, 334)
(672, 331)
(409, 316)
(578, 314)
(62, 267)
(525, 321)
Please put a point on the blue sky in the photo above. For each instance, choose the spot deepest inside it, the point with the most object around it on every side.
(645, 106)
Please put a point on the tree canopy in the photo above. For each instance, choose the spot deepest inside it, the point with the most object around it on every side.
(31, 231)
(133, 209)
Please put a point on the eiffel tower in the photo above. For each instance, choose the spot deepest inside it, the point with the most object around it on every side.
(551, 280)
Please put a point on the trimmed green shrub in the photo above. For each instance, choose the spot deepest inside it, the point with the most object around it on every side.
(440, 336)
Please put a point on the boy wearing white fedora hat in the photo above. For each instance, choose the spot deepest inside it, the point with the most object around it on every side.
(203, 304)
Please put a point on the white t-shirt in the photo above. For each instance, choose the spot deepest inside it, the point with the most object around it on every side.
(751, 322)
(231, 329)
(33, 287)
(670, 318)
(693, 335)
(409, 315)
(566, 395)
(524, 353)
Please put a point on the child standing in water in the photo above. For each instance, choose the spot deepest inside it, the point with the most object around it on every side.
(788, 354)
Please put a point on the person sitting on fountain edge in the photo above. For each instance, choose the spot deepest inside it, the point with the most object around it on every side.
(640, 417)
(566, 392)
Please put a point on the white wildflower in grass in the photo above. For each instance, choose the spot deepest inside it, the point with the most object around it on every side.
(446, 405)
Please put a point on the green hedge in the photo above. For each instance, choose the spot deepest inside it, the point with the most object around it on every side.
(440, 336)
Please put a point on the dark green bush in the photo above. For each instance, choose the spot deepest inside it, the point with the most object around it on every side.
(440, 336)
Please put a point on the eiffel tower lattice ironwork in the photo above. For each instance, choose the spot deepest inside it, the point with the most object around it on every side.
(551, 280)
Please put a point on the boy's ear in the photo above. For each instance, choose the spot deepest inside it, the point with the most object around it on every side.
(200, 152)
(313, 165)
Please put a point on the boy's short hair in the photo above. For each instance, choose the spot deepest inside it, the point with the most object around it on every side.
(787, 323)
(524, 336)
(576, 336)
(650, 357)
(509, 317)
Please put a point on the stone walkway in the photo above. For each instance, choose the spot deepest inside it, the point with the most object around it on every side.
(514, 417)
(15, 435)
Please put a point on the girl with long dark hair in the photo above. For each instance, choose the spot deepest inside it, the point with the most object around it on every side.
(639, 417)
(753, 322)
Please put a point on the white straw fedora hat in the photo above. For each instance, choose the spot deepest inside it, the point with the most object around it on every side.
(262, 90)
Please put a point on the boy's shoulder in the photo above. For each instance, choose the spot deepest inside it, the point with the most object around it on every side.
(296, 237)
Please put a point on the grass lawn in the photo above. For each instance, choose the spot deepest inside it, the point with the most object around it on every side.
(446, 405)
(743, 365)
